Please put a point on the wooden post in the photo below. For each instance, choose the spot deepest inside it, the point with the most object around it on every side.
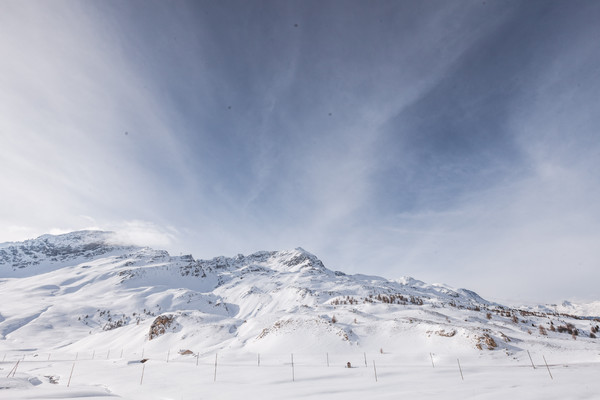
(460, 369)
(432, 364)
(375, 370)
(142, 378)
(548, 368)
(197, 357)
(328, 359)
(168, 354)
(530, 359)
(215, 378)
(70, 375)
(365, 354)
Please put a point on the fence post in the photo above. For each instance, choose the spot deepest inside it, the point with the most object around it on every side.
(142, 378)
(215, 378)
(168, 354)
(293, 375)
(365, 354)
(530, 359)
(548, 368)
(70, 375)
(328, 359)
(375, 370)
(13, 370)
(432, 364)
(460, 369)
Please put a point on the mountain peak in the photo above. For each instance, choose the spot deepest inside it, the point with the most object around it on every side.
(299, 258)
(78, 237)
(48, 252)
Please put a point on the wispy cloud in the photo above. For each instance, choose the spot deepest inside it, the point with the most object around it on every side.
(82, 133)
(451, 141)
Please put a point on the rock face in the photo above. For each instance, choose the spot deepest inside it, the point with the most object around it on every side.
(161, 325)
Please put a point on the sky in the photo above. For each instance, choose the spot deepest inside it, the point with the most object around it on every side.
(452, 141)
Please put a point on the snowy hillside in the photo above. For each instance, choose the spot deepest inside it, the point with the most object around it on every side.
(83, 293)
(49, 252)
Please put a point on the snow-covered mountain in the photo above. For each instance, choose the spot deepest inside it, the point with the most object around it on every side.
(87, 303)
(84, 290)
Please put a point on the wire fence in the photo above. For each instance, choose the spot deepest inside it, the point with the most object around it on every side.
(297, 365)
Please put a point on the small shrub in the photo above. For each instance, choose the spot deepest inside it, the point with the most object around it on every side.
(445, 334)
(488, 315)
(490, 342)
(486, 340)
(543, 330)
(568, 328)
(333, 320)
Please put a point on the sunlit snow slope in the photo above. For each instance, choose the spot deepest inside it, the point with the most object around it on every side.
(84, 290)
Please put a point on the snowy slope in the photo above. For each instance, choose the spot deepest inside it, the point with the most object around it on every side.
(579, 309)
(83, 293)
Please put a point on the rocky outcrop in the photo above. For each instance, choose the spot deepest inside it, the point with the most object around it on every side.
(161, 325)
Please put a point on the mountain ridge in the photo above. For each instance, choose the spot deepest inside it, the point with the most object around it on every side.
(80, 289)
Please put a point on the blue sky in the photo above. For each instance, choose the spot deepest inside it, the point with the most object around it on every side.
(454, 142)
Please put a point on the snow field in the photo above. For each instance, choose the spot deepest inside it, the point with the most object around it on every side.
(239, 374)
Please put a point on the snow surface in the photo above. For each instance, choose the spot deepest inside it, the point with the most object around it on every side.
(84, 303)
